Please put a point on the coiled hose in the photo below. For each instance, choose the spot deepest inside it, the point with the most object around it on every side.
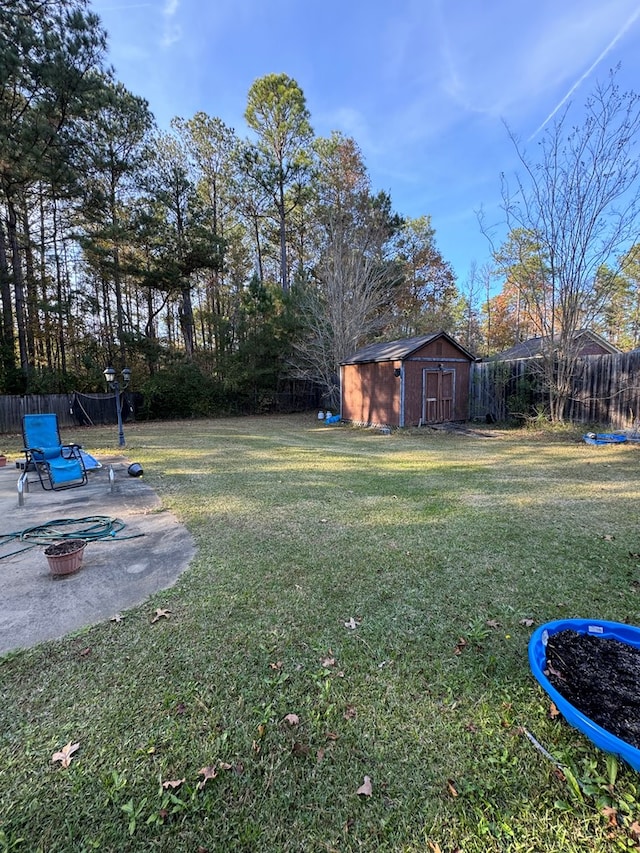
(91, 528)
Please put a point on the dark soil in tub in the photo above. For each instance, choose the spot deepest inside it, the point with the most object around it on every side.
(600, 677)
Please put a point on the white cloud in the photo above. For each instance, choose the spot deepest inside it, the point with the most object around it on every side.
(621, 32)
(171, 35)
(501, 59)
(172, 32)
(350, 121)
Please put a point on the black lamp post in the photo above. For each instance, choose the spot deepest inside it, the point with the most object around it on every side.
(110, 376)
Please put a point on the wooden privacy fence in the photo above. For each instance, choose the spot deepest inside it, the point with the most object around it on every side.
(72, 409)
(605, 390)
(12, 408)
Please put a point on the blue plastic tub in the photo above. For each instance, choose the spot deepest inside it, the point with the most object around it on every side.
(602, 438)
(538, 662)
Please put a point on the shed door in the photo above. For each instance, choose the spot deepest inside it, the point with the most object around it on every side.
(438, 389)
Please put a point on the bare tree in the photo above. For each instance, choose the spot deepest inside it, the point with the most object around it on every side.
(344, 309)
(581, 200)
(472, 293)
(346, 302)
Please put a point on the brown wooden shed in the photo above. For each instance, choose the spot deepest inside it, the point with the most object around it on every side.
(408, 382)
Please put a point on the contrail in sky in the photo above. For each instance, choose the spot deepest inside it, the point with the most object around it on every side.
(607, 49)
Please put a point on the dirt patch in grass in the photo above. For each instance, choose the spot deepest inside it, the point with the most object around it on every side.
(599, 676)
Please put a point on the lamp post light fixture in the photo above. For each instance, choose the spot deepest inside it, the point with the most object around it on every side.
(114, 384)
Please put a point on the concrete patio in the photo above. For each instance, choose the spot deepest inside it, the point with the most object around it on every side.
(116, 573)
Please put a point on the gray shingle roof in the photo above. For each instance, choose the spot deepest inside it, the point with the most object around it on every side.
(534, 346)
(398, 350)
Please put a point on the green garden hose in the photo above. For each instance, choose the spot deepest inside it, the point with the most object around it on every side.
(91, 528)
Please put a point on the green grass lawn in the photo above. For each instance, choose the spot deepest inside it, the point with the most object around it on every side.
(381, 589)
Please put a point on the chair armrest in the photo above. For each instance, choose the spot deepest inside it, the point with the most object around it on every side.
(71, 451)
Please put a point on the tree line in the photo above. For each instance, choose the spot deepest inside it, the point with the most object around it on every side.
(220, 267)
(197, 257)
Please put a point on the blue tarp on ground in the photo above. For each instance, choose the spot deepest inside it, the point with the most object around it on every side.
(90, 462)
(602, 438)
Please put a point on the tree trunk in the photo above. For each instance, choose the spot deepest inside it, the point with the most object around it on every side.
(256, 232)
(18, 286)
(117, 277)
(7, 339)
(31, 307)
(186, 320)
(150, 331)
(284, 272)
(47, 350)
(62, 349)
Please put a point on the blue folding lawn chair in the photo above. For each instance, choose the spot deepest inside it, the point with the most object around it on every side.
(59, 466)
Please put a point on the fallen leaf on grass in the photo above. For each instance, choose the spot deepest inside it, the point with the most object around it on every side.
(352, 623)
(173, 783)
(553, 711)
(277, 665)
(634, 829)
(611, 815)
(327, 662)
(527, 622)
(117, 618)
(292, 719)
(557, 772)
(64, 755)
(366, 789)
(608, 537)
(300, 750)
(435, 847)
(460, 646)
(451, 788)
(492, 623)
(350, 713)
(160, 613)
(207, 773)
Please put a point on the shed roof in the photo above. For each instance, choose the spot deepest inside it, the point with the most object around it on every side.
(535, 346)
(399, 350)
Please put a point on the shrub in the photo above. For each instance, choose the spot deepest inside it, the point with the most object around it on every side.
(183, 391)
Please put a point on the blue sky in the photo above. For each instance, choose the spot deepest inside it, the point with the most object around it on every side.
(425, 87)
